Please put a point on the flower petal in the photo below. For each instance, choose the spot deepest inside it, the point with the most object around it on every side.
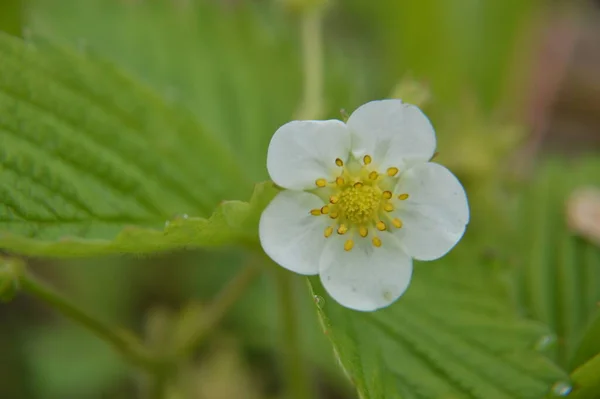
(366, 278)
(435, 214)
(290, 235)
(394, 134)
(301, 152)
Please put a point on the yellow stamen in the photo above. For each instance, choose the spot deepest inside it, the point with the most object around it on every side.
(363, 231)
(333, 215)
(373, 175)
(397, 222)
(358, 184)
(328, 231)
(403, 197)
(342, 229)
(348, 245)
(339, 162)
(315, 212)
(321, 182)
(380, 226)
(392, 171)
(333, 199)
(387, 194)
(325, 210)
(367, 159)
(376, 241)
(339, 181)
(388, 207)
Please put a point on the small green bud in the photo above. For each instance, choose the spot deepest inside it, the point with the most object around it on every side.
(10, 272)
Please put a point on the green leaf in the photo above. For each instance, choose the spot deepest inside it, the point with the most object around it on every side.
(233, 222)
(557, 273)
(586, 380)
(87, 152)
(589, 345)
(454, 334)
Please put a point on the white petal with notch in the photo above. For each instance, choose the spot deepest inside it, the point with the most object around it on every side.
(301, 152)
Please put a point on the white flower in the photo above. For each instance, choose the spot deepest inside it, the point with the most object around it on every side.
(361, 200)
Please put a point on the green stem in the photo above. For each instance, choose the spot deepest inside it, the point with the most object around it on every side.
(311, 31)
(129, 348)
(298, 382)
(219, 307)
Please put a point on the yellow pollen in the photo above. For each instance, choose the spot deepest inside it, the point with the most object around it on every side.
(333, 214)
(397, 222)
(333, 199)
(315, 212)
(339, 162)
(339, 181)
(387, 194)
(403, 197)
(388, 207)
(328, 231)
(376, 241)
(363, 231)
(373, 175)
(342, 229)
(359, 204)
(325, 210)
(321, 182)
(367, 159)
(358, 184)
(380, 226)
(348, 245)
(392, 171)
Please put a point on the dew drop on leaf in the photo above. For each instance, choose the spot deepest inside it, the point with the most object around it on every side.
(320, 301)
(561, 389)
(544, 342)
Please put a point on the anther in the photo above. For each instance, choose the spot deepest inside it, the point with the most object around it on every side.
(367, 159)
(339, 162)
(387, 207)
(333, 199)
(358, 184)
(373, 175)
(397, 222)
(392, 171)
(348, 245)
(321, 182)
(387, 194)
(328, 231)
(339, 181)
(333, 214)
(380, 226)
(315, 212)
(325, 210)
(403, 197)
(376, 241)
(363, 231)
(342, 229)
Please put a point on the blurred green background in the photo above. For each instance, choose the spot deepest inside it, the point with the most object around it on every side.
(507, 84)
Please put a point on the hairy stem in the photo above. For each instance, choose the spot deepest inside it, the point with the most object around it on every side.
(127, 346)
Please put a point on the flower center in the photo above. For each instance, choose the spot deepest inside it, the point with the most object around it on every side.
(360, 201)
(359, 204)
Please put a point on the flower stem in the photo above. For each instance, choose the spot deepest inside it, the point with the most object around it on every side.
(219, 307)
(127, 346)
(311, 31)
(297, 379)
